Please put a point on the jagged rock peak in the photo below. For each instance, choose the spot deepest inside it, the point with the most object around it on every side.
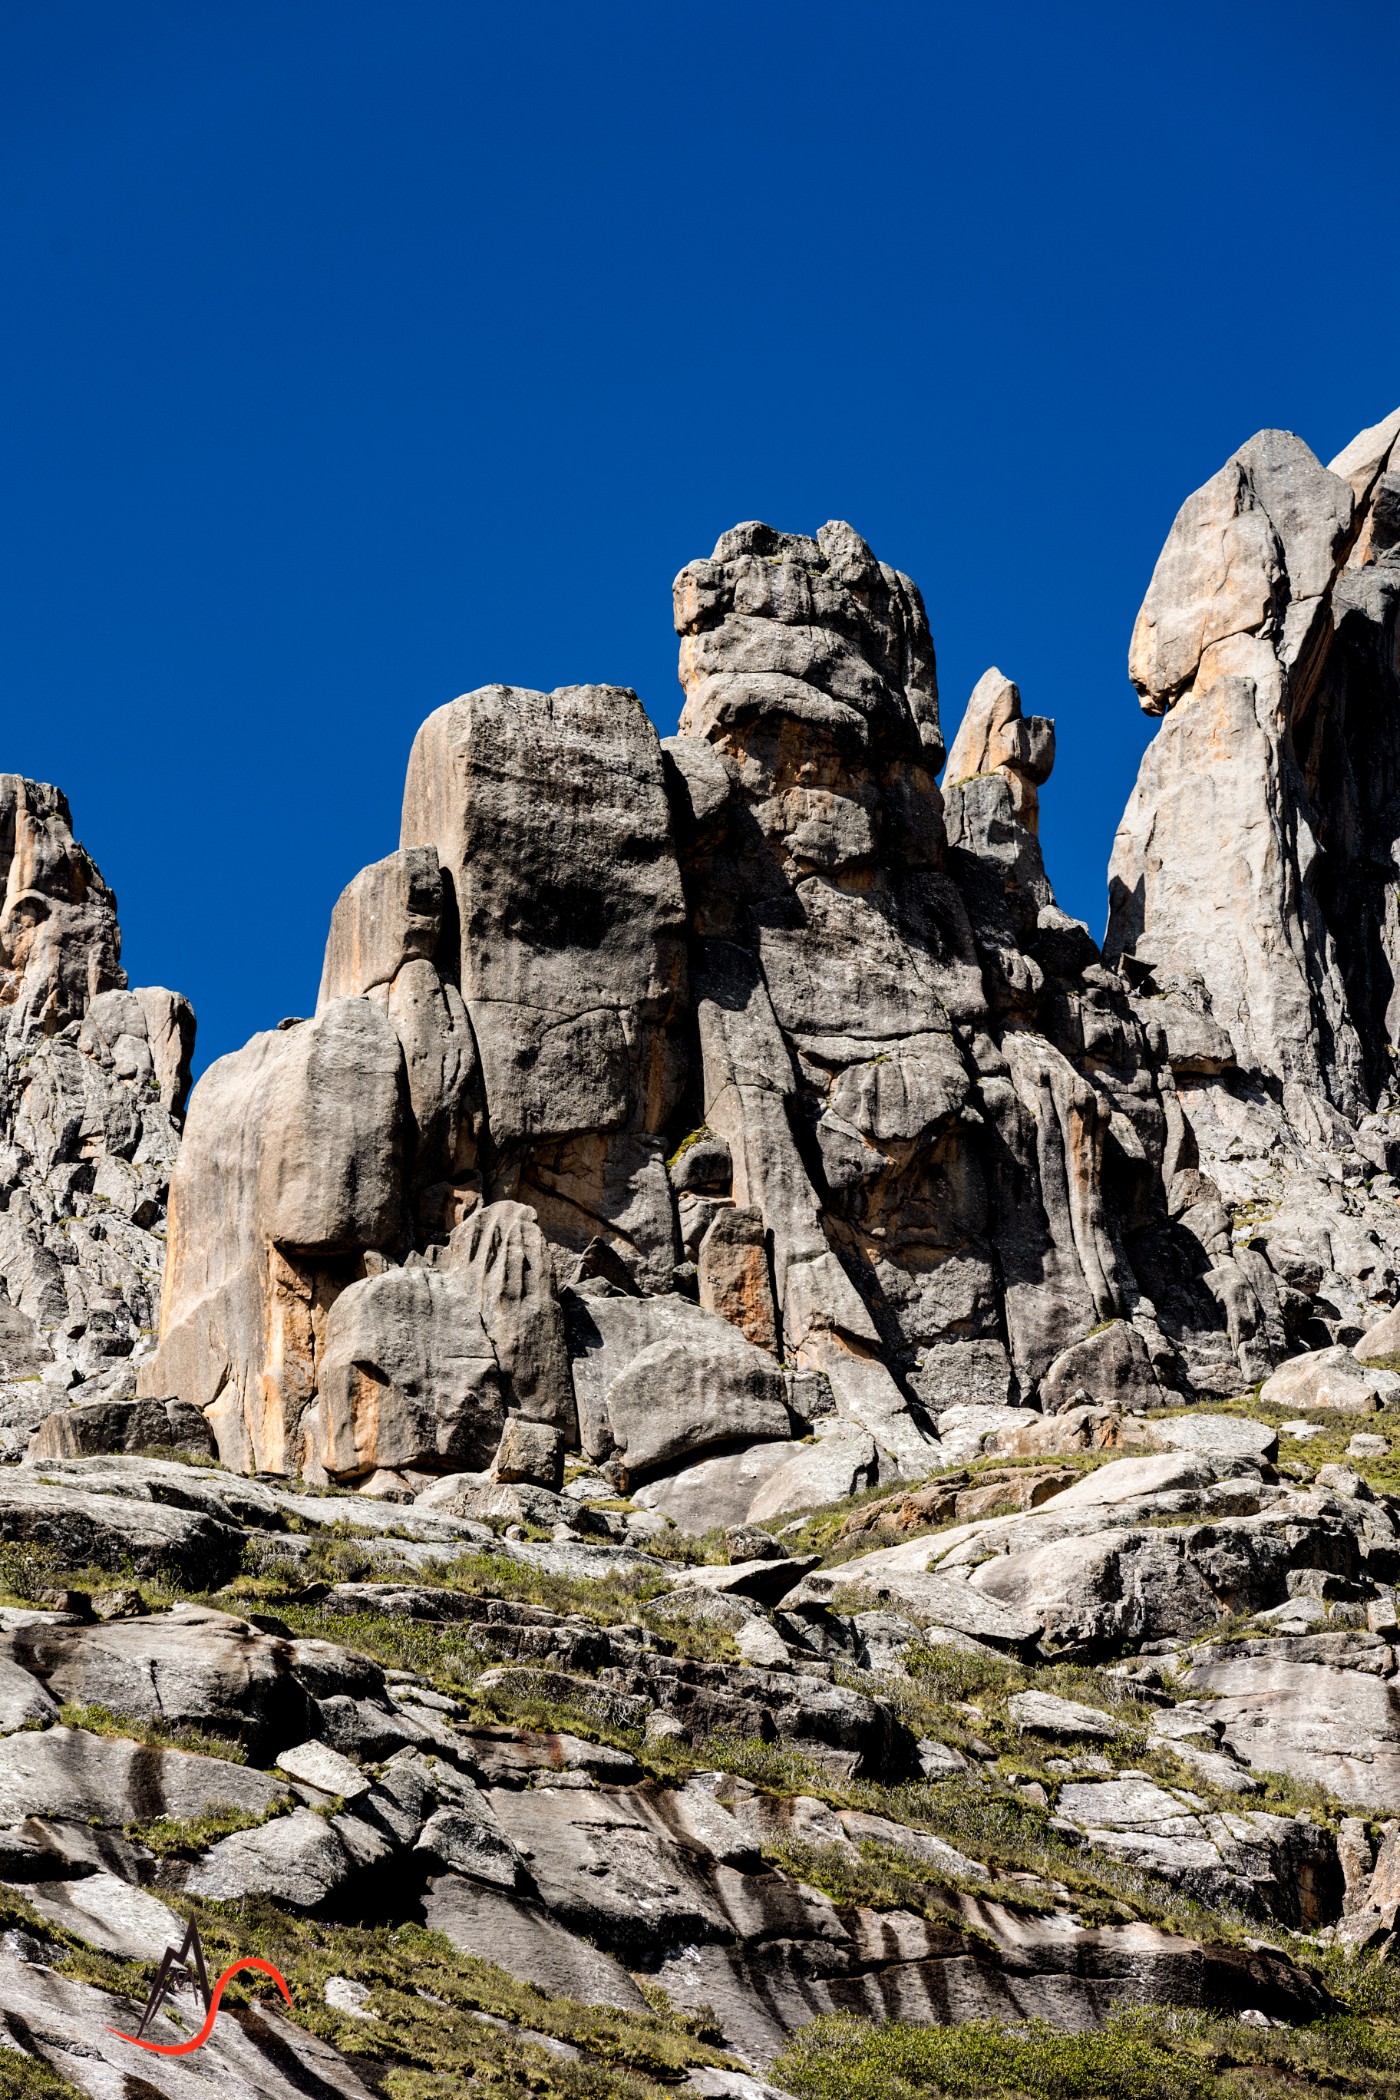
(678, 1096)
(816, 630)
(1256, 857)
(995, 737)
(93, 1078)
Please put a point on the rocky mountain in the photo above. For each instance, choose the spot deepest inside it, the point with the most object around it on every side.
(754, 1059)
(797, 1443)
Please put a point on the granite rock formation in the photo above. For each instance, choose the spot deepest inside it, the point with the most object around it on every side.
(748, 1069)
(692, 1137)
(93, 1078)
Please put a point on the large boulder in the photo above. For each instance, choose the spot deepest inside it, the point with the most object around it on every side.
(1331, 1726)
(1110, 1367)
(185, 1669)
(658, 1378)
(407, 1377)
(1252, 614)
(1330, 1378)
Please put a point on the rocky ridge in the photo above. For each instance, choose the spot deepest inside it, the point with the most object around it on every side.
(796, 1440)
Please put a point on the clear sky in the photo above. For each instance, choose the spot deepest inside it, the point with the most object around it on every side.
(358, 354)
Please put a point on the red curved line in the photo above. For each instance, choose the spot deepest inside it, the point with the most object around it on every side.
(248, 1961)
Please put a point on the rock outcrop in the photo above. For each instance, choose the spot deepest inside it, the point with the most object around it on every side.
(757, 1017)
(691, 1135)
(1253, 880)
(93, 1078)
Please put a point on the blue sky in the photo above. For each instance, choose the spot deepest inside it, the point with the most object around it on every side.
(356, 355)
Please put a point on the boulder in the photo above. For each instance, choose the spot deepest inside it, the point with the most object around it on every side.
(716, 1492)
(76, 2031)
(1069, 1720)
(1335, 1727)
(1279, 1867)
(531, 1452)
(407, 1377)
(94, 1426)
(106, 1912)
(901, 1575)
(527, 1942)
(1381, 1342)
(296, 1859)
(117, 1532)
(108, 1780)
(631, 1354)
(1217, 1437)
(389, 915)
(1131, 1479)
(1330, 1378)
(188, 1668)
(766, 1581)
(1087, 1596)
(1109, 1368)
(501, 1258)
(826, 1471)
(317, 1765)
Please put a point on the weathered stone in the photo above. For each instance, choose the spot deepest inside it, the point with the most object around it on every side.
(297, 1860)
(826, 1471)
(1330, 1378)
(549, 816)
(109, 1780)
(1273, 1866)
(77, 2032)
(959, 1374)
(1216, 1436)
(765, 1581)
(1110, 1368)
(117, 1531)
(1380, 1343)
(407, 1377)
(501, 1257)
(94, 1426)
(1337, 1727)
(389, 915)
(1040, 1713)
(732, 1261)
(315, 1764)
(716, 1492)
(291, 1164)
(994, 737)
(528, 1942)
(529, 1451)
(658, 1377)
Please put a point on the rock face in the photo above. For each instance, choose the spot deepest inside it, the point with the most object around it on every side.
(1252, 886)
(748, 1017)
(682, 1096)
(93, 1078)
(690, 1135)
